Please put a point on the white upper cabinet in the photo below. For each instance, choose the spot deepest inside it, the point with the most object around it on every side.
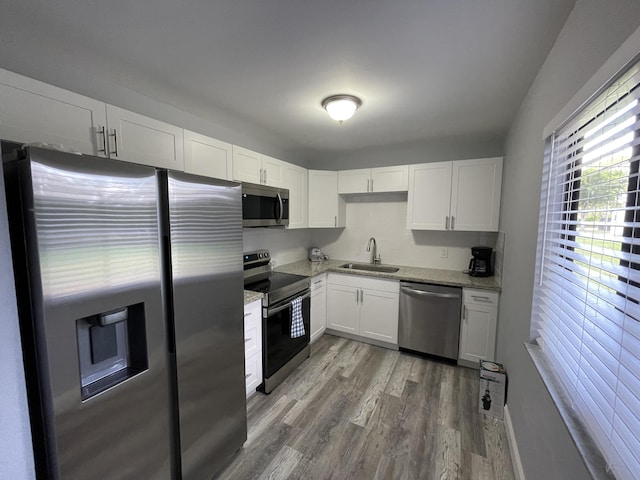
(139, 139)
(354, 181)
(32, 111)
(326, 208)
(429, 196)
(254, 167)
(368, 180)
(207, 156)
(273, 171)
(247, 165)
(475, 194)
(296, 180)
(462, 195)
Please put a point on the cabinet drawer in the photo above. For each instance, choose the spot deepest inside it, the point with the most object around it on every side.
(252, 312)
(318, 282)
(479, 297)
(252, 340)
(253, 372)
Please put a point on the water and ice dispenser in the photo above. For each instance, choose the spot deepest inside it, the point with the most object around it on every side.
(112, 348)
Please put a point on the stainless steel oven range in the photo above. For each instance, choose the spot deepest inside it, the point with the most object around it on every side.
(285, 317)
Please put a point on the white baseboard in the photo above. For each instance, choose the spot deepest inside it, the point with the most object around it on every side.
(518, 471)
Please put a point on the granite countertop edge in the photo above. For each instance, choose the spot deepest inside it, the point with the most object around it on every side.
(250, 297)
(412, 274)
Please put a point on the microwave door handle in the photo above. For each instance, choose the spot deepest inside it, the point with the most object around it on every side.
(279, 219)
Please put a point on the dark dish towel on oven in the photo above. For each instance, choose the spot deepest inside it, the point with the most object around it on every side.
(297, 325)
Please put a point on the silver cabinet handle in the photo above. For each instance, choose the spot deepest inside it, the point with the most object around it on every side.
(317, 282)
(481, 299)
(115, 141)
(411, 291)
(452, 219)
(465, 314)
(102, 131)
(246, 340)
(335, 221)
(248, 375)
(368, 183)
(265, 176)
(372, 184)
(446, 223)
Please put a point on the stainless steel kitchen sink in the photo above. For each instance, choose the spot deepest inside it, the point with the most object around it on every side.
(369, 267)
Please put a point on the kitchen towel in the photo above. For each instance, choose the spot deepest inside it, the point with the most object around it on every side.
(297, 325)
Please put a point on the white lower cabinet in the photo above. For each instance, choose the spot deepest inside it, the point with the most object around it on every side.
(253, 346)
(318, 306)
(478, 327)
(363, 306)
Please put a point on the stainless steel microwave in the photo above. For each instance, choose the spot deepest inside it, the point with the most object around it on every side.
(264, 206)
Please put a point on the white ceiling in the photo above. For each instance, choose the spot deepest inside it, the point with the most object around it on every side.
(425, 69)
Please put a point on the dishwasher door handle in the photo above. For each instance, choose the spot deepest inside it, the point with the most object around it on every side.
(412, 291)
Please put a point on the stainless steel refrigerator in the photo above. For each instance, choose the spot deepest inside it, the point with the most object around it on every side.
(129, 286)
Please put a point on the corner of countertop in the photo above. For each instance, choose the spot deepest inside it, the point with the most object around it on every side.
(250, 297)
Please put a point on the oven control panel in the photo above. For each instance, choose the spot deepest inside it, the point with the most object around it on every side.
(256, 258)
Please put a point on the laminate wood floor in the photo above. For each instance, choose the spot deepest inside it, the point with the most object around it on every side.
(359, 412)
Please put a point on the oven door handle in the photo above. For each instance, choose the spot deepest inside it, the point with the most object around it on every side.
(273, 311)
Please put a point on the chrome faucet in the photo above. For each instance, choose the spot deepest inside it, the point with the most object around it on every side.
(374, 257)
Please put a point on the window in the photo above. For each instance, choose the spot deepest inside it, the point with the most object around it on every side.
(586, 307)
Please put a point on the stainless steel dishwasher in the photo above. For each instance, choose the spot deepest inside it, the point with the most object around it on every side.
(430, 319)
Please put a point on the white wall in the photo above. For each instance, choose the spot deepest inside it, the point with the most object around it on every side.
(593, 31)
(434, 150)
(384, 216)
(285, 246)
(16, 455)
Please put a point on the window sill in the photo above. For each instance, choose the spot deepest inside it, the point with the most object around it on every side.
(587, 448)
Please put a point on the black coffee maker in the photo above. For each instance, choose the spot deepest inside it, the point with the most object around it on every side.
(481, 264)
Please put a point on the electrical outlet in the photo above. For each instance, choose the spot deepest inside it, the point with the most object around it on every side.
(444, 252)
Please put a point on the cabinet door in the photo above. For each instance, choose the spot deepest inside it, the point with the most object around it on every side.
(390, 179)
(478, 332)
(429, 196)
(318, 308)
(247, 165)
(343, 308)
(273, 172)
(296, 180)
(32, 111)
(207, 156)
(379, 316)
(253, 346)
(139, 139)
(354, 181)
(326, 208)
(475, 194)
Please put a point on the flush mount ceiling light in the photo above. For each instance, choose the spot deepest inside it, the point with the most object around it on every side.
(341, 107)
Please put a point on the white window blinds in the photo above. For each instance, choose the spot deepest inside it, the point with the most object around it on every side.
(586, 312)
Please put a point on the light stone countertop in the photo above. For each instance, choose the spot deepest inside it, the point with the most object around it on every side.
(250, 297)
(405, 273)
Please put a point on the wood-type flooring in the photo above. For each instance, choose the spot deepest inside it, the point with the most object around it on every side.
(355, 411)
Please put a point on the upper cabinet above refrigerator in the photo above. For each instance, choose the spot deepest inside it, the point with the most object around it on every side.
(32, 111)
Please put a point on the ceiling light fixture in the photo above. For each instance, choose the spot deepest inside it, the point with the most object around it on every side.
(341, 107)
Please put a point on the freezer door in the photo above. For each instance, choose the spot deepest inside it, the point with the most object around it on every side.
(88, 275)
(205, 223)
